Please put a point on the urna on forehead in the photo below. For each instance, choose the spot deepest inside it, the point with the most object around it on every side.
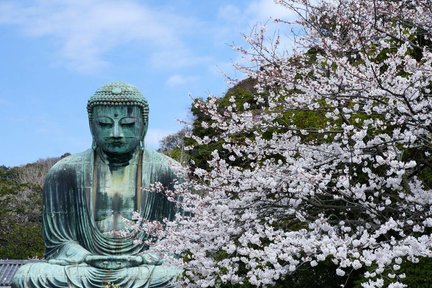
(118, 94)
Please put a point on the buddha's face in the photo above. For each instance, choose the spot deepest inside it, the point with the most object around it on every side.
(117, 129)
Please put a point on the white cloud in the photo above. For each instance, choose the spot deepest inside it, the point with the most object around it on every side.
(86, 29)
(179, 80)
(177, 58)
(229, 12)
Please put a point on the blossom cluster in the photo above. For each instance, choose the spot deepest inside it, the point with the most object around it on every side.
(352, 186)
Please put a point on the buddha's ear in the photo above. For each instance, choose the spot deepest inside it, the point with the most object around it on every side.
(91, 126)
(145, 128)
(143, 134)
(94, 145)
(91, 121)
(145, 120)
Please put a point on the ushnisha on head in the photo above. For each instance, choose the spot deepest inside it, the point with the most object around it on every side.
(118, 117)
(118, 93)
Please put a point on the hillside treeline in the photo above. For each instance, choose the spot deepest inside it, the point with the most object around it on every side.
(21, 209)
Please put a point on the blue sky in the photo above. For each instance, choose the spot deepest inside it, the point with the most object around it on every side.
(55, 53)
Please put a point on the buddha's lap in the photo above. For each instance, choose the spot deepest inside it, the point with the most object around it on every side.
(43, 274)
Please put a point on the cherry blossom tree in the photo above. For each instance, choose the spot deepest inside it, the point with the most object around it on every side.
(352, 187)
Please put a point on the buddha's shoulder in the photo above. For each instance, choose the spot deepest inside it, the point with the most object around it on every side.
(164, 165)
(73, 162)
(158, 158)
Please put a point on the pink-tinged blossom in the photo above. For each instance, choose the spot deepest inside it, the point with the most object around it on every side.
(350, 187)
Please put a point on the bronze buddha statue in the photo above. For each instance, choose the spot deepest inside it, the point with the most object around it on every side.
(89, 198)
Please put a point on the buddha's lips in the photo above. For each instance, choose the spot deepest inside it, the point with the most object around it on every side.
(116, 143)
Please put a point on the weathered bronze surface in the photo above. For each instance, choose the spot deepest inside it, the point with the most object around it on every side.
(89, 199)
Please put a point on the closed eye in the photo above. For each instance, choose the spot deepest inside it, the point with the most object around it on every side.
(128, 122)
(105, 124)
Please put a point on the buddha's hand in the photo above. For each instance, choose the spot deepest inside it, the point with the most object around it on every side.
(69, 254)
(151, 259)
(62, 262)
(113, 262)
(66, 261)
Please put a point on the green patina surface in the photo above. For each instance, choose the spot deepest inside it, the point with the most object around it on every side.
(89, 198)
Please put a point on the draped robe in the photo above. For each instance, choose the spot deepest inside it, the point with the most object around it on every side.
(70, 232)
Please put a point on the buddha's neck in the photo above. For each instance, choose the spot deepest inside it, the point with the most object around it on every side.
(116, 161)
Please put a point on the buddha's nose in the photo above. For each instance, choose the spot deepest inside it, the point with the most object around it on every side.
(117, 131)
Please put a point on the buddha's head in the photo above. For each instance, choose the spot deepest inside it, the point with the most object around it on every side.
(118, 116)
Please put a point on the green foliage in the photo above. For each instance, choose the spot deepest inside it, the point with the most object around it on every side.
(21, 208)
(419, 274)
(22, 241)
(20, 232)
(322, 275)
(175, 153)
